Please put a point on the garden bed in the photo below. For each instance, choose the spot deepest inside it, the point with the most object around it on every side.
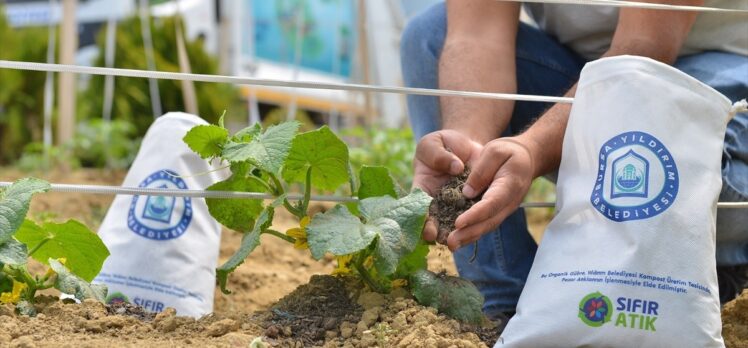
(253, 310)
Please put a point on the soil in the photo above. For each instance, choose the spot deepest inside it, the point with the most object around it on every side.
(448, 204)
(269, 301)
(735, 322)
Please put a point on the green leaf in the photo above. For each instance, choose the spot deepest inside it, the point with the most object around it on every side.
(236, 214)
(248, 133)
(416, 260)
(456, 297)
(69, 283)
(266, 151)
(83, 249)
(250, 241)
(6, 283)
(14, 204)
(206, 140)
(12, 252)
(375, 182)
(323, 152)
(409, 214)
(338, 232)
(396, 225)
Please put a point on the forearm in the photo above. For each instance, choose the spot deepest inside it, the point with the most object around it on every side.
(657, 35)
(469, 65)
(546, 136)
(479, 55)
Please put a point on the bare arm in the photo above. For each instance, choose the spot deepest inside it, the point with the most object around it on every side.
(507, 166)
(479, 55)
(655, 34)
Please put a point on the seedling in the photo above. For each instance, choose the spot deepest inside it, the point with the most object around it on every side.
(377, 238)
(72, 252)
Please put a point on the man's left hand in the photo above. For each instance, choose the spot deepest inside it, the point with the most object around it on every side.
(504, 171)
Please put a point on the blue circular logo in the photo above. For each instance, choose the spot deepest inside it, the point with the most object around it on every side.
(160, 217)
(637, 178)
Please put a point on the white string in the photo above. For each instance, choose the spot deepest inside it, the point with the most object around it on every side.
(132, 191)
(7, 64)
(637, 4)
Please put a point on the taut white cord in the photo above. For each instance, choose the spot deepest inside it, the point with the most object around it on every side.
(637, 4)
(6, 64)
(131, 191)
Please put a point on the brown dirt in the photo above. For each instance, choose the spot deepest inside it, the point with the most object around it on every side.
(273, 272)
(735, 322)
(448, 204)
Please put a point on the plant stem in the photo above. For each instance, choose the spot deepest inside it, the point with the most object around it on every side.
(367, 277)
(36, 248)
(261, 182)
(307, 191)
(280, 235)
(279, 190)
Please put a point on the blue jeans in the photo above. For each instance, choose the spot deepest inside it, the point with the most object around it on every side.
(545, 67)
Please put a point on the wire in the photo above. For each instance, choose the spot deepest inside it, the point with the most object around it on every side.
(636, 4)
(134, 191)
(6, 64)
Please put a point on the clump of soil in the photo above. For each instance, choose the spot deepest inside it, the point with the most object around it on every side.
(735, 322)
(129, 310)
(448, 204)
(311, 311)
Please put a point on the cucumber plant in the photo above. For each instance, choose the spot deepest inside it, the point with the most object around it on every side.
(73, 253)
(377, 238)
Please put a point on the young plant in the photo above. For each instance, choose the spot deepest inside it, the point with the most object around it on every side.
(72, 252)
(377, 238)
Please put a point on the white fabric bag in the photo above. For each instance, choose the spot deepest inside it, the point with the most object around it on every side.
(164, 250)
(629, 259)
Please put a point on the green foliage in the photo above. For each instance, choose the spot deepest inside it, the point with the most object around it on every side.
(376, 181)
(82, 249)
(21, 92)
(453, 296)
(250, 241)
(205, 140)
(14, 204)
(378, 238)
(37, 158)
(321, 152)
(101, 144)
(391, 148)
(96, 144)
(13, 252)
(266, 151)
(69, 283)
(236, 214)
(132, 102)
(51, 243)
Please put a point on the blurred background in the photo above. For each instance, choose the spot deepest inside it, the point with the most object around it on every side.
(64, 122)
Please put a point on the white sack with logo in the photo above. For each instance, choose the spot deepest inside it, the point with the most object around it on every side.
(164, 250)
(629, 259)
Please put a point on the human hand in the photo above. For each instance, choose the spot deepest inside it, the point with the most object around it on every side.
(439, 156)
(505, 171)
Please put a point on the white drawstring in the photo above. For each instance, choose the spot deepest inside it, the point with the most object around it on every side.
(739, 107)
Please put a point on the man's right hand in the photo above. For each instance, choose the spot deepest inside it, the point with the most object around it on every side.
(439, 156)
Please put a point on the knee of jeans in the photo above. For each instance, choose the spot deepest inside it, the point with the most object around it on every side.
(423, 36)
